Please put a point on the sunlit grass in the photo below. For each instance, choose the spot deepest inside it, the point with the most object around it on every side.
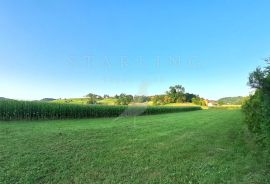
(210, 146)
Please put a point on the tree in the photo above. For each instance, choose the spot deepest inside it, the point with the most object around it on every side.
(189, 97)
(256, 78)
(221, 103)
(91, 100)
(176, 93)
(257, 107)
(267, 68)
(158, 99)
(167, 99)
(141, 99)
(180, 88)
(199, 101)
(124, 99)
(91, 95)
(181, 98)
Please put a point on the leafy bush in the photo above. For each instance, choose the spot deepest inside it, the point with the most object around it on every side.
(141, 99)
(253, 112)
(198, 101)
(91, 100)
(257, 107)
(26, 110)
(124, 99)
(159, 99)
(176, 94)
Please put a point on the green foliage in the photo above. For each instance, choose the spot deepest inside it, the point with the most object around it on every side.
(124, 99)
(221, 103)
(227, 107)
(176, 94)
(92, 95)
(198, 101)
(107, 101)
(26, 110)
(257, 107)
(141, 99)
(159, 100)
(189, 97)
(256, 79)
(253, 112)
(92, 100)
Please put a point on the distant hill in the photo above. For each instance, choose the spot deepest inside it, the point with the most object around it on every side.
(3, 98)
(231, 100)
(47, 99)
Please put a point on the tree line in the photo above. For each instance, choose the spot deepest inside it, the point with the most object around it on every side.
(175, 94)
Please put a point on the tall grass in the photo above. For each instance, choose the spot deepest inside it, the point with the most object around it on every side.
(228, 107)
(26, 110)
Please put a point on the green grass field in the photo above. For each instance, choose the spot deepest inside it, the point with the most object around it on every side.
(209, 146)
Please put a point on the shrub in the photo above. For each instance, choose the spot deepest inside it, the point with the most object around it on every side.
(257, 107)
(253, 112)
(198, 101)
(124, 99)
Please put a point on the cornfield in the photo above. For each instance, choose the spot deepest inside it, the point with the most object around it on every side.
(27, 110)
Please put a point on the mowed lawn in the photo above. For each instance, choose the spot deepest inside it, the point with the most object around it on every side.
(208, 146)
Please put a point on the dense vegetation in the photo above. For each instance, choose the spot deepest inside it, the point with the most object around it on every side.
(19, 110)
(195, 147)
(175, 94)
(123, 99)
(257, 107)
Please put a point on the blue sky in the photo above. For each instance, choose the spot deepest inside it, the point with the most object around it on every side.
(64, 49)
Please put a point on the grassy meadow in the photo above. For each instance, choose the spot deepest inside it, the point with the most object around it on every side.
(143, 92)
(208, 146)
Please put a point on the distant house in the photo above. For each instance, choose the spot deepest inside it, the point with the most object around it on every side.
(212, 103)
